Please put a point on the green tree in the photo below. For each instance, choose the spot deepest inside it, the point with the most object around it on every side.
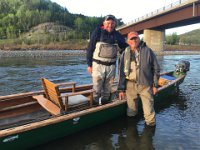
(172, 39)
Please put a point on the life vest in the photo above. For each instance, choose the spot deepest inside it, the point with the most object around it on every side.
(131, 64)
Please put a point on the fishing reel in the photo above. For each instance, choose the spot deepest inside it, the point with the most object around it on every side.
(182, 67)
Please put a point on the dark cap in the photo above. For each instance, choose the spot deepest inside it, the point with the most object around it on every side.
(110, 17)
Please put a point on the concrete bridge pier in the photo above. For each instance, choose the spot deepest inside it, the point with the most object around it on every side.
(155, 39)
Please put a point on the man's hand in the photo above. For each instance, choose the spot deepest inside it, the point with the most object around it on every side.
(121, 95)
(89, 70)
(154, 90)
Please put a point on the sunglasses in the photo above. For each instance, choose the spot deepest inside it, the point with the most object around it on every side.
(134, 38)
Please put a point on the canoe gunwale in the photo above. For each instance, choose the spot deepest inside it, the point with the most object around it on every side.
(171, 83)
(57, 119)
(21, 95)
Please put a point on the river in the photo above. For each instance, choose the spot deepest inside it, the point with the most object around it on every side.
(178, 119)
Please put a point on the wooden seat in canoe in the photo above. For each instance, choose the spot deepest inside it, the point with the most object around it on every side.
(57, 103)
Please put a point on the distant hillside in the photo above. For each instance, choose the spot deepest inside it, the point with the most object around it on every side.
(47, 32)
(19, 16)
(49, 36)
(26, 23)
(187, 41)
(190, 38)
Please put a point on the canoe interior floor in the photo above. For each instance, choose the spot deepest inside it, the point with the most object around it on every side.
(24, 119)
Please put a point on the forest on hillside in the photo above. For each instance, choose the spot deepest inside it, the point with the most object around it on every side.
(189, 38)
(19, 16)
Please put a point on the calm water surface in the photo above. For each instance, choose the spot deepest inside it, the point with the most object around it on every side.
(178, 119)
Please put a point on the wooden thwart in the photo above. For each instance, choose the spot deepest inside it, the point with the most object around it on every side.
(56, 102)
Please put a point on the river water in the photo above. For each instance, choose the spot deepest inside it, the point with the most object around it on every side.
(178, 118)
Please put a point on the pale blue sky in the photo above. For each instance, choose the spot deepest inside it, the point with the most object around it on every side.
(128, 10)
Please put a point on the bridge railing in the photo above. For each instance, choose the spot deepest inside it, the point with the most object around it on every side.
(158, 11)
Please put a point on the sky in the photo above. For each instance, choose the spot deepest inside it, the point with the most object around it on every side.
(127, 10)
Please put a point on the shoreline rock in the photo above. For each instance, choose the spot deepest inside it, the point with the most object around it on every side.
(41, 53)
(64, 53)
(179, 52)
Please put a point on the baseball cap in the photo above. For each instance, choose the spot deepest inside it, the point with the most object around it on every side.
(110, 17)
(132, 35)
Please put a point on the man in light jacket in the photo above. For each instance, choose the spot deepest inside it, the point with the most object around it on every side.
(138, 77)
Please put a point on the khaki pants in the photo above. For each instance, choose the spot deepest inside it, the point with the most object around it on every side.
(145, 92)
(103, 78)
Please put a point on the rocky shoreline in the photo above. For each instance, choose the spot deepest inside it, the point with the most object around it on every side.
(179, 52)
(60, 50)
(63, 53)
(41, 53)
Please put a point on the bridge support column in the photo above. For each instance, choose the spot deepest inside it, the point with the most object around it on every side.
(155, 39)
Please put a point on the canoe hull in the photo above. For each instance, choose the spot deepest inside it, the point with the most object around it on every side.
(54, 131)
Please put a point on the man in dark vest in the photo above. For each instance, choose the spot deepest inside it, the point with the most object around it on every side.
(102, 51)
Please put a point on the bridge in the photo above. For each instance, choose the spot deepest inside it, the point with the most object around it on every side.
(154, 24)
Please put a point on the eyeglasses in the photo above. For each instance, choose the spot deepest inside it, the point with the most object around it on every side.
(134, 38)
(110, 17)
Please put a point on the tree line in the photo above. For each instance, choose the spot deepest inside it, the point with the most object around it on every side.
(19, 16)
(190, 38)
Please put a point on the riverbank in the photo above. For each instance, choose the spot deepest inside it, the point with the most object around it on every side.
(178, 52)
(41, 53)
(76, 45)
(62, 50)
(63, 53)
(70, 44)
(182, 47)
